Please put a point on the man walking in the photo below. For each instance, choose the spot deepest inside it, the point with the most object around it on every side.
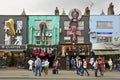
(38, 66)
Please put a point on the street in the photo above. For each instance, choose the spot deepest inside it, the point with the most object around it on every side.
(21, 74)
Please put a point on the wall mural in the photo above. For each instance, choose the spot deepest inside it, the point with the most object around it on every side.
(74, 16)
(13, 32)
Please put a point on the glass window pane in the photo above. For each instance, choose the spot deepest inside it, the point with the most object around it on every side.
(81, 25)
(80, 39)
(104, 24)
(66, 25)
(48, 40)
(49, 24)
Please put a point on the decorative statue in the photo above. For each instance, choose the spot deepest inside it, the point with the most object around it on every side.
(43, 28)
(74, 15)
(18, 40)
(10, 25)
(7, 35)
(19, 28)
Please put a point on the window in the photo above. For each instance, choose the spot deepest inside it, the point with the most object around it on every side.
(81, 25)
(37, 23)
(48, 40)
(104, 24)
(104, 39)
(67, 39)
(80, 39)
(49, 24)
(66, 25)
(37, 39)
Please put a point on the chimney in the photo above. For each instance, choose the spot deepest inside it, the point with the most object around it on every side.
(110, 9)
(87, 11)
(56, 11)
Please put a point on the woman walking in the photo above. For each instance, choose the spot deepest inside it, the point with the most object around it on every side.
(85, 67)
(110, 63)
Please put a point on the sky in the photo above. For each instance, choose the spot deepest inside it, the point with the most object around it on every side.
(47, 7)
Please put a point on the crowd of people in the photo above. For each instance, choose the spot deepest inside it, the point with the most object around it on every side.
(39, 66)
(98, 65)
(78, 64)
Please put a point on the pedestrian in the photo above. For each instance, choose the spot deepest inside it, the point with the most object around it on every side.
(43, 65)
(79, 67)
(46, 67)
(96, 67)
(110, 63)
(72, 61)
(101, 66)
(38, 66)
(85, 67)
(30, 63)
(56, 66)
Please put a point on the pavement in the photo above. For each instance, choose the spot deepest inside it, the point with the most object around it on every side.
(20, 74)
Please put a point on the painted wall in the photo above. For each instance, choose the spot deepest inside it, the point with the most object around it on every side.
(32, 32)
(115, 19)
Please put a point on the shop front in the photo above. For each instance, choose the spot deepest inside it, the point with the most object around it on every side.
(12, 55)
(13, 39)
(49, 52)
(69, 51)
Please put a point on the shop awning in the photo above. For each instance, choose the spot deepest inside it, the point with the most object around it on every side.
(107, 52)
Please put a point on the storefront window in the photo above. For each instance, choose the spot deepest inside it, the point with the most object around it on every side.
(104, 39)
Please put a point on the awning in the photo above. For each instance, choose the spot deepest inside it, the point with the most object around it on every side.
(107, 52)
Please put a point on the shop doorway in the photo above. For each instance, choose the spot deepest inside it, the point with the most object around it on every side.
(12, 59)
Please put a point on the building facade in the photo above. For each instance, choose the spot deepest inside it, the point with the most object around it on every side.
(74, 38)
(13, 38)
(43, 36)
(105, 33)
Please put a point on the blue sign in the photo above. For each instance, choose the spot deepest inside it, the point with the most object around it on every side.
(104, 32)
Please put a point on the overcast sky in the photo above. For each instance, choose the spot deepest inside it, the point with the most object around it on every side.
(47, 7)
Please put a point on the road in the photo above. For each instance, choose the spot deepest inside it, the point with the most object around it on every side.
(21, 74)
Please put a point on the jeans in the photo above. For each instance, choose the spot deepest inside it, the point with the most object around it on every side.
(96, 70)
(57, 70)
(37, 69)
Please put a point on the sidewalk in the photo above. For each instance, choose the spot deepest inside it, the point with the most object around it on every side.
(25, 74)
